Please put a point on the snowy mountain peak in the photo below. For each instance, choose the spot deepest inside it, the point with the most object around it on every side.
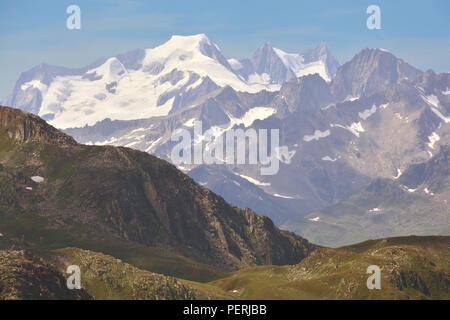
(146, 83)
(112, 70)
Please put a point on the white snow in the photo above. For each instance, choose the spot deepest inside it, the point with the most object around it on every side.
(235, 64)
(428, 192)
(29, 188)
(110, 71)
(328, 106)
(375, 210)
(433, 139)
(384, 106)
(328, 158)
(447, 92)
(399, 173)
(34, 84)
(153, 144)
(134, 94)
(315, 219)
(138, 130)
(189, 53)
(367, 113)
(281, 196)
(256, 113)
(256, 78)
(37, 179)
(184, 169)
(317, 135)
(254, 181)
(351, 98)
(440, 115)
(431, 100)
(355, 128)
(409, 190)
(190, 123)
(295, 62)
(109, 141)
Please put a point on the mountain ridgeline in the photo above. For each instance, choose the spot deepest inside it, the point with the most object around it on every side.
(59, 192)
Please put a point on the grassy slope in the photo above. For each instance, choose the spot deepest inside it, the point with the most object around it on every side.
(106, 277)
(411, 268)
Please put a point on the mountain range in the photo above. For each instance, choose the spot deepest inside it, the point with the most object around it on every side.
(139, 228)
(350, 130)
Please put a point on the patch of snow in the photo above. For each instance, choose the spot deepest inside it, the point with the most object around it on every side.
(433, 139)
(355, 128)
(254, 181)
(190, 123)
(315, 219)
(399, 173)
(375, 210)
(110, 141)
(153, 144)
(431, 100)
(317, 135)
(256, 113)
(328, 158)
(440, 115)
(281, 196)
(37, 179)
(447, 92)
(29, 188)
(384, 106)
(184, 169)
(328, 106)
(351, 98)
(137, 130)
(256, 78)
(367, 113)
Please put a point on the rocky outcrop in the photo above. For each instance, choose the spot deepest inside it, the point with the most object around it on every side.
(24, 275)
(24, 127)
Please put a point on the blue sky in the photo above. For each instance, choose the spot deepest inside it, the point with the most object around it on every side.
(35, 32)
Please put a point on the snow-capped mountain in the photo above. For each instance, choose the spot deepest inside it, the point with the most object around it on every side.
(274, 66)
(145, 83)
(342, 126)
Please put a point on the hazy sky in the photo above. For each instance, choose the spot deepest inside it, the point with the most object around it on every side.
(32, 32)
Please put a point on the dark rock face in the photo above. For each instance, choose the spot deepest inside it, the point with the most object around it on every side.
(133, 196)
(25, 127)
(26, 276)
